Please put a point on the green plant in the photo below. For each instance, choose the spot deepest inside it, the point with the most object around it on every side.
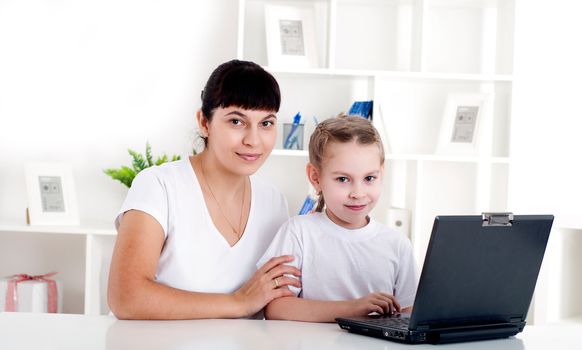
(126, 174)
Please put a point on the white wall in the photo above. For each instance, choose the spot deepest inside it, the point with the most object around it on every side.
(82, 81)
(546, 145)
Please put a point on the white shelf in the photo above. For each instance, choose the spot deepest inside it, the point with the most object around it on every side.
(393, 74)
(449, 158)
(290, 152)
(446, 76)
(412, 157)
(97, 229)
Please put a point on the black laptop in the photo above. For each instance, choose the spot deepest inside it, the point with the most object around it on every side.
(477, 281)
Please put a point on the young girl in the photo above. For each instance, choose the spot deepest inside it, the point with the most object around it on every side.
(350, 264)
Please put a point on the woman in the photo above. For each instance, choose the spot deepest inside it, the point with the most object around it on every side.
(191, 231)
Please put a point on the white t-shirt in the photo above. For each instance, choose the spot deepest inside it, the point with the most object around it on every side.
(342, 264)
(195, 256)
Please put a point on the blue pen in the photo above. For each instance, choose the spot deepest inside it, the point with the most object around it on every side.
(296, 120)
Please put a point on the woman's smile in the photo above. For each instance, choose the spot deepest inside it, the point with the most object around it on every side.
(251, 157)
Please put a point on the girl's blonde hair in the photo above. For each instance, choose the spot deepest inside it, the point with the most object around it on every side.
(341, 129)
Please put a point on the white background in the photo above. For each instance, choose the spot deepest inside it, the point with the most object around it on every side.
(82, 81)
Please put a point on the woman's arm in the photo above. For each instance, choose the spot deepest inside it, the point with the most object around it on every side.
(133, 293)
(299, 309)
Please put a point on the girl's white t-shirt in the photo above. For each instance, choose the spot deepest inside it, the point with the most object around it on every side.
(337, 263)
(195, 256)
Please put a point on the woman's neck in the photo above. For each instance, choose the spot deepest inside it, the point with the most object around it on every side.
(223, 182)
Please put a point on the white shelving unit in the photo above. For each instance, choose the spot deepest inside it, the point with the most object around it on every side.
(39, 250)
(407, 56)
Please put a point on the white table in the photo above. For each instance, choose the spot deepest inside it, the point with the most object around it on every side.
(58, 331)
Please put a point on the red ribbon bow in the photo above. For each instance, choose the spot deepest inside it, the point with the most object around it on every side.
(12, 292)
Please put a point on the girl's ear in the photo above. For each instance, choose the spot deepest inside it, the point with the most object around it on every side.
(313, 176)
(202, 123)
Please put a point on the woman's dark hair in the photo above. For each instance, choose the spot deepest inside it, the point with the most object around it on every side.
(242, 84)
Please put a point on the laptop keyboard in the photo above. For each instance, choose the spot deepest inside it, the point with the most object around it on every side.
(400, 323)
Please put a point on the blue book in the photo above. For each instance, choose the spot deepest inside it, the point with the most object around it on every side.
(362, 108)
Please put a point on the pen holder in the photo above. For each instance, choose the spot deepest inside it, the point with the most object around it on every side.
(293, 136)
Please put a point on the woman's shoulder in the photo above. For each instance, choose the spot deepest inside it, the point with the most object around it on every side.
(166, 171)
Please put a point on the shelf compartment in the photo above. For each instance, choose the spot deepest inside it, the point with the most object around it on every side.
(36, 254)
(253, 40)
(322, 97)
(377, 34)
(409, 113)
(39, 249)
(468, 36)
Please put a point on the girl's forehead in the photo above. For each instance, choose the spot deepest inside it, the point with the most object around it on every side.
(351, 153)
(335, 148)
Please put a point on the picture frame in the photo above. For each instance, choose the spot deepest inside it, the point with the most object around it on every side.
(51, 194)
(290, 36)
(466, 124)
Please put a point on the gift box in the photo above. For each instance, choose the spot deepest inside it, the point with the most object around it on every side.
(25, 293)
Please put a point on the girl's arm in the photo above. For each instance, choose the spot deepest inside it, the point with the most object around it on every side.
(299, 309)
(133, 293)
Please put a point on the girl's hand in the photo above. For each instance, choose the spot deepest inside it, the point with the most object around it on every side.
(266, 284)
(382, 303)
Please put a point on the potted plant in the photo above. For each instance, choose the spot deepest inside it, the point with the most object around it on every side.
(126, 174)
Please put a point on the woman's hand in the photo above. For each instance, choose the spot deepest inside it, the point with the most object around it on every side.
(266, 284)
(382, 303)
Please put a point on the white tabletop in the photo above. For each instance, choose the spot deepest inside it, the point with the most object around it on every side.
(59, 331)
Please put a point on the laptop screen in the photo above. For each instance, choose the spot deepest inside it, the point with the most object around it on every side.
(475, 273)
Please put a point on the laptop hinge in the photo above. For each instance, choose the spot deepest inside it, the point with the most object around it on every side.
(497, 219)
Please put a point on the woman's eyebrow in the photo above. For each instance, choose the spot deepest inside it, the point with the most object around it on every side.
(236, 113)
(240, 114)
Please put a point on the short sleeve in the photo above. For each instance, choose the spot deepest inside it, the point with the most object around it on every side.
(285, 242)
(148, 194)
(407, 276)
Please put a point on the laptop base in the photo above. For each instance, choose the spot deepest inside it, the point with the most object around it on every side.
(434, 336)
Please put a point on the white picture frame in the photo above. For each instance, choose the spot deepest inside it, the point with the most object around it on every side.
(51, 194)
(466, 124)
(290, 36)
